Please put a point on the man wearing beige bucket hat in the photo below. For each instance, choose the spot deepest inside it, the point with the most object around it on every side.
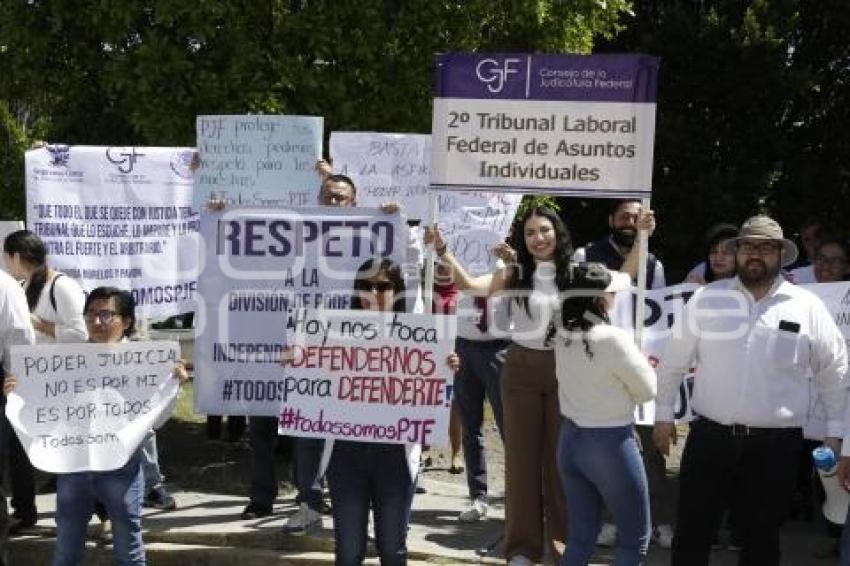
(754, 339)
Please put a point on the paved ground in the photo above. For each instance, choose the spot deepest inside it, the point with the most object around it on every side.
(206, 530)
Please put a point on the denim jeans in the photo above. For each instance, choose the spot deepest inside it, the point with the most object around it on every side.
(121, 491)
(308, 460)
(603, 466)
(477, 378)
(150, 462)
(363, 475)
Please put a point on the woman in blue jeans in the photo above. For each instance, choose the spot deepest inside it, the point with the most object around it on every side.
(109, 315)
(602, 377)
(374, 474)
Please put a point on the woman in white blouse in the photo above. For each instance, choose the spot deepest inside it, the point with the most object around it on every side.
(602, 377)
(534, 503)
(55, 300)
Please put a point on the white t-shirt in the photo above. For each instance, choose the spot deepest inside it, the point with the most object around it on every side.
(531, 327)
(68, 314)
(803, 275)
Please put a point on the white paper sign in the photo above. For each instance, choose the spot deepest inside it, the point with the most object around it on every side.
(473, 223)
(663, 307)
(88, 407)
(260, 161)
(369, 376)
(118, 216)
(385, 168)
(261, 265)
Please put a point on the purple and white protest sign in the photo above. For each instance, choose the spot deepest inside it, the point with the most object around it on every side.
(119, 216)
(560, 124)
(261, 265)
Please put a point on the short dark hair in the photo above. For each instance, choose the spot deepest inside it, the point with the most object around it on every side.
(616, 204)
(336, 178)
(124, 302)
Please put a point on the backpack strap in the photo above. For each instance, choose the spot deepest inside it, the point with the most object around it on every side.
(52, 292)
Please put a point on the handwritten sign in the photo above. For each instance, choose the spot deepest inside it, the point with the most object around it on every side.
(473, 223)
(580, 125)
(119, 216)
(88, 407)
(261, 266)
(369, 376)
(385, 168)
(261, 161)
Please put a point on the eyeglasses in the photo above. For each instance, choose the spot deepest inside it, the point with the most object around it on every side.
(377, 286)
(763, 249)
(831, 261)
(102, 317)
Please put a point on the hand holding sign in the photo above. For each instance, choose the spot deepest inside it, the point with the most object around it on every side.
(87, 407)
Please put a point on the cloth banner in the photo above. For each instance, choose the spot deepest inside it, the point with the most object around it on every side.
(118, 216)
(369, 376)
(87, 407)
(385, 168)
(577, 125)
(261, 264)
(257, 160)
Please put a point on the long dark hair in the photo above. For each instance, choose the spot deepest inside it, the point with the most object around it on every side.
(124, 303)
(583, 306)
(522, 274)
(375, 266)
(32, 251)
(714, 236)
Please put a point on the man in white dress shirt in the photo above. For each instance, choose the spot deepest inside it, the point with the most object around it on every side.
(15, 329)
(753, 339)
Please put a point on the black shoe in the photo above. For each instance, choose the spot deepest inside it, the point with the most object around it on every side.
(159, 498)
(254, 512)
(18, 523)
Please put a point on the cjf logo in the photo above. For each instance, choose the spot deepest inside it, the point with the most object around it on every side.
(59, 155)
(124, 160)
(495, 74)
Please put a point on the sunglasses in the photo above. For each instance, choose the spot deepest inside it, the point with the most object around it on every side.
(377, 286)
(102, 317)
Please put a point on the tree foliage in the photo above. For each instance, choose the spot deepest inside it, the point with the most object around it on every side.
(754, 103)
(107, 72)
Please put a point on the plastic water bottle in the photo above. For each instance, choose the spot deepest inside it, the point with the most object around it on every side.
(837, 498)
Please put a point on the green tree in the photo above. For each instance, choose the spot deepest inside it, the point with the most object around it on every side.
(752, 113)
(137, 73)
